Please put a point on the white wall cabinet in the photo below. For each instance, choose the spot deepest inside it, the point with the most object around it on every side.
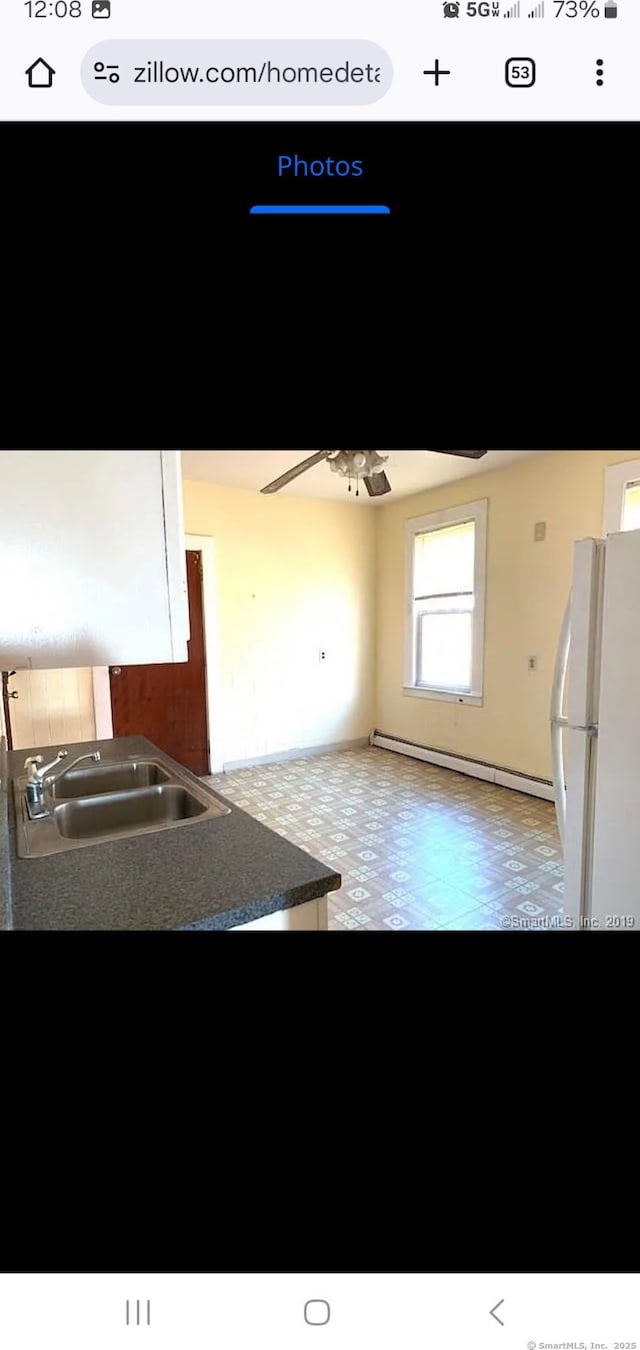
(92, 558)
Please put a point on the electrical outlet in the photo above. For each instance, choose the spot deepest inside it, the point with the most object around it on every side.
(533, 663)
(322, 655)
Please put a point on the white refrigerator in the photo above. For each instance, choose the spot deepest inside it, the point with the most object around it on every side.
(595, 718)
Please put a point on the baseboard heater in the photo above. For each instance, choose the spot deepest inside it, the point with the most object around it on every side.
(473, 768)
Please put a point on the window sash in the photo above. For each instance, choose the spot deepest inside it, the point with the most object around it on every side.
(445, 554)
(437, 588)
(431, 604)
(444, 604)
(631, 507)
(440, 681)
(619, 478)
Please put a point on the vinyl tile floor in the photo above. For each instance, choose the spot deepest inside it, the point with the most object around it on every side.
(418, 847)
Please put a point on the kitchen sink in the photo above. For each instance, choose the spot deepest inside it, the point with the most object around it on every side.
(94, 817)
(100, 804)
(97, 779)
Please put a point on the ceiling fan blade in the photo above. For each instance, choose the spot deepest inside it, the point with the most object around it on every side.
(377, 485)
(466, 454)
(289, 476)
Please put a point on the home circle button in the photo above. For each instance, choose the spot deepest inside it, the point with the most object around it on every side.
(317, 1313)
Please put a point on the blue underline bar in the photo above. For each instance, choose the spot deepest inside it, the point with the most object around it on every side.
(320, 211)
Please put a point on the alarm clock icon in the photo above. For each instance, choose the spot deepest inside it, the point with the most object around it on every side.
(452, 9)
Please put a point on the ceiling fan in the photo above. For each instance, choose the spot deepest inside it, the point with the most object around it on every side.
(367, 465)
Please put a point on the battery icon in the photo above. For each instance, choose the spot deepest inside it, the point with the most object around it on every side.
(611, 9)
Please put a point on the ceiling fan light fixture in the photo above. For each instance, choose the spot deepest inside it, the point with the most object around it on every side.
(376, 462)
(365, 465)
(356, 463)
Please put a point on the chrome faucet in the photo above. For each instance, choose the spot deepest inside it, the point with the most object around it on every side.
(41, 777)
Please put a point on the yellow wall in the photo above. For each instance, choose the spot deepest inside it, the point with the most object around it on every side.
(294, 577)
(527, 588)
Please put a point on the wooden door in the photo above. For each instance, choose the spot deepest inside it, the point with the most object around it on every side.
(168, 703)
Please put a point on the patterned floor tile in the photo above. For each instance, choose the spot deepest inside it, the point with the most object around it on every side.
(419, 848)
(482, 920)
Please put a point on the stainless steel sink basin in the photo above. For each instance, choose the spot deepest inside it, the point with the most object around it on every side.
(97, 779)
(112, 801)
(94, 817)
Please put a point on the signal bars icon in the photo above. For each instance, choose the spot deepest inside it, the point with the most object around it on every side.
(514, 12)
(538, 12)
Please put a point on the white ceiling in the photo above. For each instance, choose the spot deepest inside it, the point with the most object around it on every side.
(408, 471)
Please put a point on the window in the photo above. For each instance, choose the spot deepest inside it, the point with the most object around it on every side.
(622, 497)
(446, 565)
(631, 508)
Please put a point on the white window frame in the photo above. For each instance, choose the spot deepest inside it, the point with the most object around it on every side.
(618, 477)
(477, 512)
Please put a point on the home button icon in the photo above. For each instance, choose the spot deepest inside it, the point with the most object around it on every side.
(317, 1313)
(40, 74)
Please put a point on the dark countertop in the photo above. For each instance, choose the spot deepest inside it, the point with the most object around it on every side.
(211, 874)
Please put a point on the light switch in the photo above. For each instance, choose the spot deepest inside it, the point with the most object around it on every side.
(540, 532)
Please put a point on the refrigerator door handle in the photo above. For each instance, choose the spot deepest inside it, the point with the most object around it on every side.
(559, 722)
